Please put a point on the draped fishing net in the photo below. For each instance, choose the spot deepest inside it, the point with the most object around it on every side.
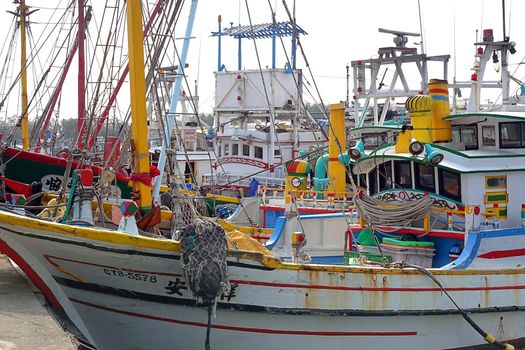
(203, 247)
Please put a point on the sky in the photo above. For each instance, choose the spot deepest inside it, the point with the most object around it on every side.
(338, 33)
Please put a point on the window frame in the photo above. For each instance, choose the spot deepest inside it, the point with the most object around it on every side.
(385, 169)
(397, 164)
(417, 178)
(443, 191)
(521, 131)
(235, 149)
(372, 182)
(255, 152)
(244, 147)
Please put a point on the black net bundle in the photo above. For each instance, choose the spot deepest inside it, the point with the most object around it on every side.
(203, 246)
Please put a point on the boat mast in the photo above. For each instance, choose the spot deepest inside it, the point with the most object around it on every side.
(81, 74)
(139, 125)
(22, 12)
(174, 100)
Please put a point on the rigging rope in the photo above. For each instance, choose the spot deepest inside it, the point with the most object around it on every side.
(379, 213)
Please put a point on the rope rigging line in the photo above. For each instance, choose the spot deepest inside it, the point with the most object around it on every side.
(199, 122)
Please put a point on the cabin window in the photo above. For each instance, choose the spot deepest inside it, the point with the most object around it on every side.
(276, 152)
(226, 149)
(467, 135)
(403, 174)
(235, 149)
(385, 176)
(362, 180)
(488, 135)
(496, 182)
(246, 150)
(450, 184)
(258, 152)
(219, 151)
(372, 182)
(425, 179)
(511, 134)
(372, 141)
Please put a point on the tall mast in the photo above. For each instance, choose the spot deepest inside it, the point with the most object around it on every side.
(81, 74)
(22, 11)
(139, 125)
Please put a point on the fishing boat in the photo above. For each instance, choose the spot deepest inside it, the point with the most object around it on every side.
(127, 291)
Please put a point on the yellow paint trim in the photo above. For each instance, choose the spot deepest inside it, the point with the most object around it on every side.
(222, 198)
(113, 237)
(248, 230)
(101, 235)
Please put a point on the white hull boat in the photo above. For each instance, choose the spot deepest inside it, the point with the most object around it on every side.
(128, 292)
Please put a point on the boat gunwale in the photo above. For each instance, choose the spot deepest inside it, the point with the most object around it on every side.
(137, 241)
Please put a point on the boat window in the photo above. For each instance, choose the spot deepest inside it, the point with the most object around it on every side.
(258, 152)
(219, 152)
(467, 135)
(456, 136)
(372, 141)
(385, 176)
(488, 135)
(226, 149)
(496, 182)
(425, 177)
(362, 180)
(276, 152)
(511, 134)
(450, 184)
(372, 182)
(235, 149)
(246, 150)
(403, 174)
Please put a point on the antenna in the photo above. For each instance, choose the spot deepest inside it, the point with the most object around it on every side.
(504, 29)
(401, 37)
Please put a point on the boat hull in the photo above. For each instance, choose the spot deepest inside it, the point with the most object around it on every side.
(128, 292)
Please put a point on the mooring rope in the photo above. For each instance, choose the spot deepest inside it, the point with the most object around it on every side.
(489, 338)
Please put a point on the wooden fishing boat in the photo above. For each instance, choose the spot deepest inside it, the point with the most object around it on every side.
(123, 290)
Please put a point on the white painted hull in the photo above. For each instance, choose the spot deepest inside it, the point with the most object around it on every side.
(119, 296)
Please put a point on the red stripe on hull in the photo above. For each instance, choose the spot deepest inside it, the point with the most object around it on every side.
(28, 270)
(501, 254)
(312, 286)
(249, 329)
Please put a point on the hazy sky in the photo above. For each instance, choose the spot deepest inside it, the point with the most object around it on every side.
(338, 32)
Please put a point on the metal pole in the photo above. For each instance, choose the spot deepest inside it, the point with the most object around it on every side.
(174, 101)
(239, 55)
(219, 53)
(504, 29)
(22, 10)
(81, 74)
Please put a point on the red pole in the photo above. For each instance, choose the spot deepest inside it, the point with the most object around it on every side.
(81, 74)
(56, 93)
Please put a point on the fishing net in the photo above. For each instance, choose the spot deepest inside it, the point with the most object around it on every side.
(203, 247)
